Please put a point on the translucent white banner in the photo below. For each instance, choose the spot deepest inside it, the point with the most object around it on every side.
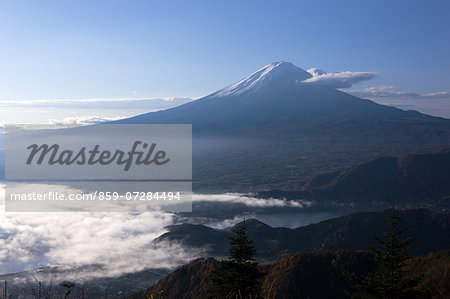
(104, 167)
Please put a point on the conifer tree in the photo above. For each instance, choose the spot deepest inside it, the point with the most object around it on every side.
(238, 276)
(390, 280)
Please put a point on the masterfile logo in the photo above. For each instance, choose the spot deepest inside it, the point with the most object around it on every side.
(98, 168)
(53, 155)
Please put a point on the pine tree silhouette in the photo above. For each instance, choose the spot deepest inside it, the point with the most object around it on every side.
(390, 280)
(238, 276)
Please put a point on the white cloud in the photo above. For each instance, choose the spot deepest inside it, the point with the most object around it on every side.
(118, 242)
(117, 103)
(338, 80)
(228, 222)
(251, 201)
(86, 120)
(41, 111)
(388, 91)
(316, 72)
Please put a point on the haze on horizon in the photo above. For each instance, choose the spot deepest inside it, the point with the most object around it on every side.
(96, 110)
(55, 50)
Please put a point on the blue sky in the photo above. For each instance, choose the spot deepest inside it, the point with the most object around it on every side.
(120, 49)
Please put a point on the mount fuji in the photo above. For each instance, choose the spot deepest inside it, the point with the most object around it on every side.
(278, 93)
(277, 127)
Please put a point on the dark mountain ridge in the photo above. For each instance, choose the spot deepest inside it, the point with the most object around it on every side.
(304, 275)
(421, 179)
(432, 230)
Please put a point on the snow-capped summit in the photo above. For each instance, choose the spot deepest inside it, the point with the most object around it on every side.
(281, 72)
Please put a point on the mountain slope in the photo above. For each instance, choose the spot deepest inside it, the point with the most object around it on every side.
(273, 95)
(409, 179)
(246, 135)
(319, 275)
(192, 280)
(413, 176)
(304, 275)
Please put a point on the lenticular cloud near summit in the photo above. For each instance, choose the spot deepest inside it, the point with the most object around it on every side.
(338, 80)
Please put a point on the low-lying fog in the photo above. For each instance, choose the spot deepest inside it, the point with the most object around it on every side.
(121, 242)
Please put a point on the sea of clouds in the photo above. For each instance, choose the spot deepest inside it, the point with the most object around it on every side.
(118, 242)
